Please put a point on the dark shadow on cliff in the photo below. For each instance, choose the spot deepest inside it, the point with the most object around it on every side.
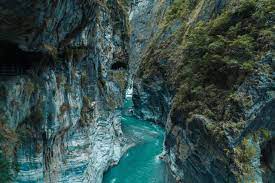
(15, 61)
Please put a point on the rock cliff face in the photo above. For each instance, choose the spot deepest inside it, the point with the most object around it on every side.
(144, 19)
(204, 69)
(208, 76)
(63, 75)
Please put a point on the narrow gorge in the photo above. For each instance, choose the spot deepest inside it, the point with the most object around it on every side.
(137, 91)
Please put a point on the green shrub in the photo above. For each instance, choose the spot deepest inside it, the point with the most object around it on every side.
(221, 23)
(248, 66)
(242, 48)
(243, 155)
(180, 9)
(265, 133)
(218, 46)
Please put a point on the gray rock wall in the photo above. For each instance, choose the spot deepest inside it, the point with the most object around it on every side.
(144, 19)
(62, 105)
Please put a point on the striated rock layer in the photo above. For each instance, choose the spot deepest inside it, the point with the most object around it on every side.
(204, 69)
(63, 75)
(208, 76)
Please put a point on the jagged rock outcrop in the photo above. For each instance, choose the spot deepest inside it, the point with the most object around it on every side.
(59, 121)
(144, 19)
(208, 76)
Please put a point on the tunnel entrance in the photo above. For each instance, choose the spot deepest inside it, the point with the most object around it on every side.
(15, 61)
(119, 66)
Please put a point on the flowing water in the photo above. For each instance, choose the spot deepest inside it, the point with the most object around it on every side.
(141, 163)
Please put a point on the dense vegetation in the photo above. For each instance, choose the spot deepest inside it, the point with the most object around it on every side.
(204, 58)
(220, 54)
(212, 57)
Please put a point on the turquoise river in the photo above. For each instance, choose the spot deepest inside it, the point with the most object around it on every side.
(141, 163)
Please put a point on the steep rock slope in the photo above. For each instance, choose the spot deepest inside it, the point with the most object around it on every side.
(63, 75)
(144, 19)
(208, 76)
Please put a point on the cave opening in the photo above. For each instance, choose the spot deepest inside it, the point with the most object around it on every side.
(268, 155)
(15, 61)
(119, 66)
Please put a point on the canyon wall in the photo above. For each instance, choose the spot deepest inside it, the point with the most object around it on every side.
(207, 75)
(203, 69)
(144, 21)
(63, 78)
